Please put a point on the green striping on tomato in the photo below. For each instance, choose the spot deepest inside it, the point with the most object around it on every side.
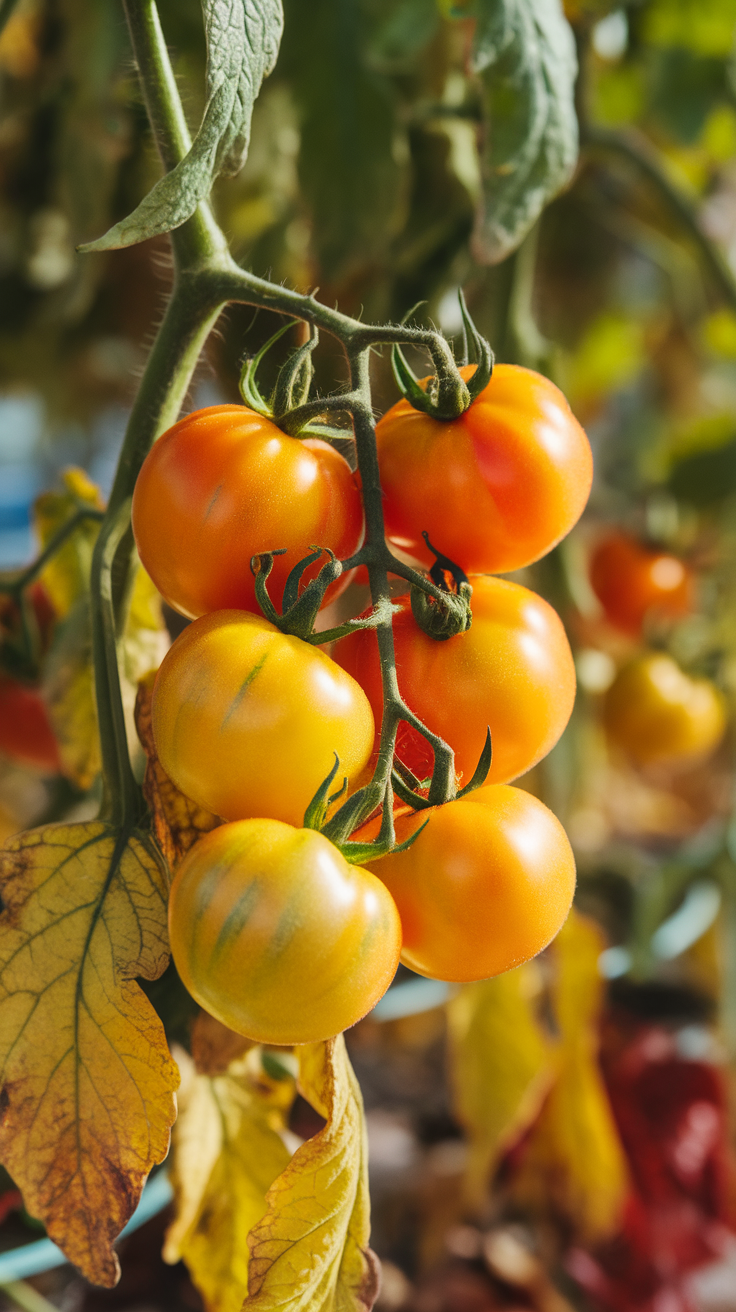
(485, 886)
(275, 934)
(513, 671)
(225, 484)
(496, 488)
(247, 720)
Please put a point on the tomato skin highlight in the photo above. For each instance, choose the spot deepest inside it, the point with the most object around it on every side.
(275, 934)
(630, 580)
(247, 720)
(659, 715)
(225, 484)
(512, 670)
(495, 489)
(486, 885)
(26, 735)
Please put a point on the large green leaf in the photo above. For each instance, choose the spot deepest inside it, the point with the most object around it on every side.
(349, 163)
(525, 56)
(243, 38)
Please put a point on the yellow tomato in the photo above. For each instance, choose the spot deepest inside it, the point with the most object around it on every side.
(658, 714)
(275, 934)
(247, 720)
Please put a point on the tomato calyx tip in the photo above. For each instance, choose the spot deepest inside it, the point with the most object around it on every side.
(446, 618)
(448, 395)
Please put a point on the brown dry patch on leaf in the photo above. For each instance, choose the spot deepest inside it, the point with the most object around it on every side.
(502, 1066)
(214, 1046)
(177, 821)
(310, 1251)
(87, 1079)
(226, 1152)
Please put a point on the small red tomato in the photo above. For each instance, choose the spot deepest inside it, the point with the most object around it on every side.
(225, 484)
(26, 735)
(631, 581)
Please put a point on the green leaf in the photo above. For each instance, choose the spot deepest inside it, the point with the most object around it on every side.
(525, 55)
(243, 38)
(350, 162)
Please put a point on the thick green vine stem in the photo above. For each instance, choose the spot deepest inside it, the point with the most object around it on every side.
(206, 279)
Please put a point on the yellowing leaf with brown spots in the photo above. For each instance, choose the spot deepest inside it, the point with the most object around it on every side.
(310, 1251)
(574, 1161)
(86, 1080)
(177, 821)
(226, 1152)
(66, 577)
(69, 693)
(502, 1065)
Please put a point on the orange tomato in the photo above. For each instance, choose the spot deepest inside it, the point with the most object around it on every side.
(496, 488)
(485, 886)
(631, 580)
(275, 934)
(659, 715)
(512, 670)
(247, 720)
(224, 485)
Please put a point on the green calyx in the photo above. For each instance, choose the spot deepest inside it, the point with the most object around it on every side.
(445, 616)
(288, 406)
(448, 395)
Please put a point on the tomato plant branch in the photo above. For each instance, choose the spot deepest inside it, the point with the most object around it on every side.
(13, 587)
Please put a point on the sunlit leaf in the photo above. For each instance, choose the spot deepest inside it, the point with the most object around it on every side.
(524, 53)
(502, 1064)
(226, 1152)
(177, 821)
(243, 39)
(574, 1159)
(214, 1046)
(69, 692)
(66, 577)
(310, 1251)
(87, 1081)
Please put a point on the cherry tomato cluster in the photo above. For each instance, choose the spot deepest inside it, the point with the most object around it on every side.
(654, 711)
(273, 928)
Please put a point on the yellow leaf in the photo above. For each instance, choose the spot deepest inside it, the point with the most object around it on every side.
(310, 1251)
(574, 1160)
(66, 577)
(87, 1083)
(227, 1151)
(502, 1065)
(177, 821)
(69, 692)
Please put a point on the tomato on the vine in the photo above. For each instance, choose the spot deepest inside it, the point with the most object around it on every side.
(511, 671)
(660, 715)
(485, 886)
(275, 934)
(224, 485)
(631, 580)
(247, 720)
(26, 735)
(495, 489)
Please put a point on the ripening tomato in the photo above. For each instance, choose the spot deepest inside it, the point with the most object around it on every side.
(496, 488)
(247, 720)
(512, 671)
(224, 485)
(631, 580)
(26, 735)
(275, 934)
(658, 714)
(485, 886)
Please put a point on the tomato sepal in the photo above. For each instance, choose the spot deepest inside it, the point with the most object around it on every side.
(357, 853)
(316, 812)
(482, 769)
